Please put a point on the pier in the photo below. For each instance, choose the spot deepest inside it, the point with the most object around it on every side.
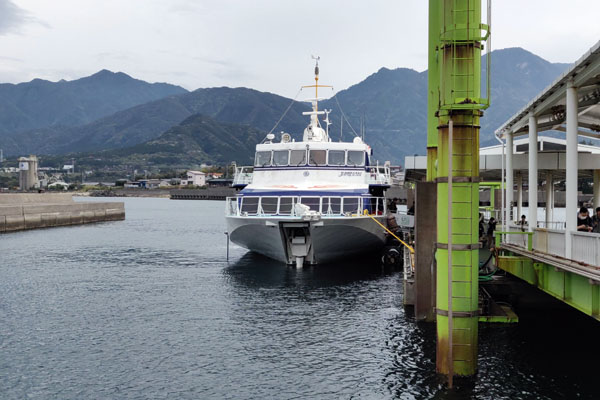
(457, 180)
(547, 252)
(21, 211)
(554, 257)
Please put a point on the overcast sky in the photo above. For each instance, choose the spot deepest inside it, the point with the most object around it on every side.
(260, 44)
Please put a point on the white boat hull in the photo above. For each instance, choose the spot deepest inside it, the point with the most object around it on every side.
(331, 238)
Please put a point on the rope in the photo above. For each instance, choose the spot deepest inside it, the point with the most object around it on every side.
(286, 111)
(344, 115)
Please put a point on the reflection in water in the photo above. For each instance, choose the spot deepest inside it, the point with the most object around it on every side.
(255, 270)
(149, 308)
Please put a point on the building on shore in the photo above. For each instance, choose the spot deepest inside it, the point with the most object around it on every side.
(28, 173)
(196, 178)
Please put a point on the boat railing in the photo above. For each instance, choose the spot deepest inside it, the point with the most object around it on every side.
(323, 206)
(378, 175)
(243, 176)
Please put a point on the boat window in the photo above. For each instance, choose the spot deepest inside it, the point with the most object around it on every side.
(262, 158)
(250, 205)
(269, 205)
(285, 205)
(312, 202)
(280, 157)
(317, 157)
(337, 157)
(356, 158)
(298, 157)
(351, 205)
(332, 205)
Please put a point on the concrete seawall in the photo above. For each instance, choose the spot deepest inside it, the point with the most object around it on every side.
(45, 210)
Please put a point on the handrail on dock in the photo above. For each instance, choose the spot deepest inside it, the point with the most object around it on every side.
(499, 234)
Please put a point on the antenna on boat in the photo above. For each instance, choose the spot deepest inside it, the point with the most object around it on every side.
(316, 58)
(363, 126)
(316, 85)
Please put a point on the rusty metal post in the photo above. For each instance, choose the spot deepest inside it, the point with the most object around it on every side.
(457, 180)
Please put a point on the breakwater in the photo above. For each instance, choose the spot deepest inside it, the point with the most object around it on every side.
(20, 211)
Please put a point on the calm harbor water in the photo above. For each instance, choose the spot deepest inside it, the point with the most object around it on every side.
(148, 308)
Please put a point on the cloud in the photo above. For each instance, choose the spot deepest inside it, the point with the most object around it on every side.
(11, 59)
(12, 17)
(185, 7)
(113, 56)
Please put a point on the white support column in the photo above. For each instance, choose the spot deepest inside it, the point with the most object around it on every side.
(519, 196)
(596, 190)
(549, 198)
(533, 172)
(571, 166)
(509, 178)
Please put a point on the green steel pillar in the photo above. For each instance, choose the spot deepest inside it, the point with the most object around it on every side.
(457, 180)
(433, 87)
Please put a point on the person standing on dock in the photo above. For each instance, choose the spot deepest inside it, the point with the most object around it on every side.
(392, 205)
(523, 223)
(584, 222)
(481, 227)
(596, 221)
(490, 232)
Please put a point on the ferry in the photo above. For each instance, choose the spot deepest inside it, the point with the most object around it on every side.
(310, 202)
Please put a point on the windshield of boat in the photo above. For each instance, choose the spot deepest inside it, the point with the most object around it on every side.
(337, 157)
(262, 158)
(356, 158)
(280, 157)
(317, 157)
(298, 157)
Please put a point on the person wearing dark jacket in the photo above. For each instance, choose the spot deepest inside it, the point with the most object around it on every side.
(490, 231)
(596, 221)
(584, 222)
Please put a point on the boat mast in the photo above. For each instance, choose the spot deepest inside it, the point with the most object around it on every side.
(317, 58)
(316, 85)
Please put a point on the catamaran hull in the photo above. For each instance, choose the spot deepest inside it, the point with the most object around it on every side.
(328, 240)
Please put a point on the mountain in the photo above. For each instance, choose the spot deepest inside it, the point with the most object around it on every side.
(390, 104)
(198, 139)
(41, 103)
(147, 121)
(394, 102)
(517, 77)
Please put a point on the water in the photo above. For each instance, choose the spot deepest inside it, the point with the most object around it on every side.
(148, 308)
